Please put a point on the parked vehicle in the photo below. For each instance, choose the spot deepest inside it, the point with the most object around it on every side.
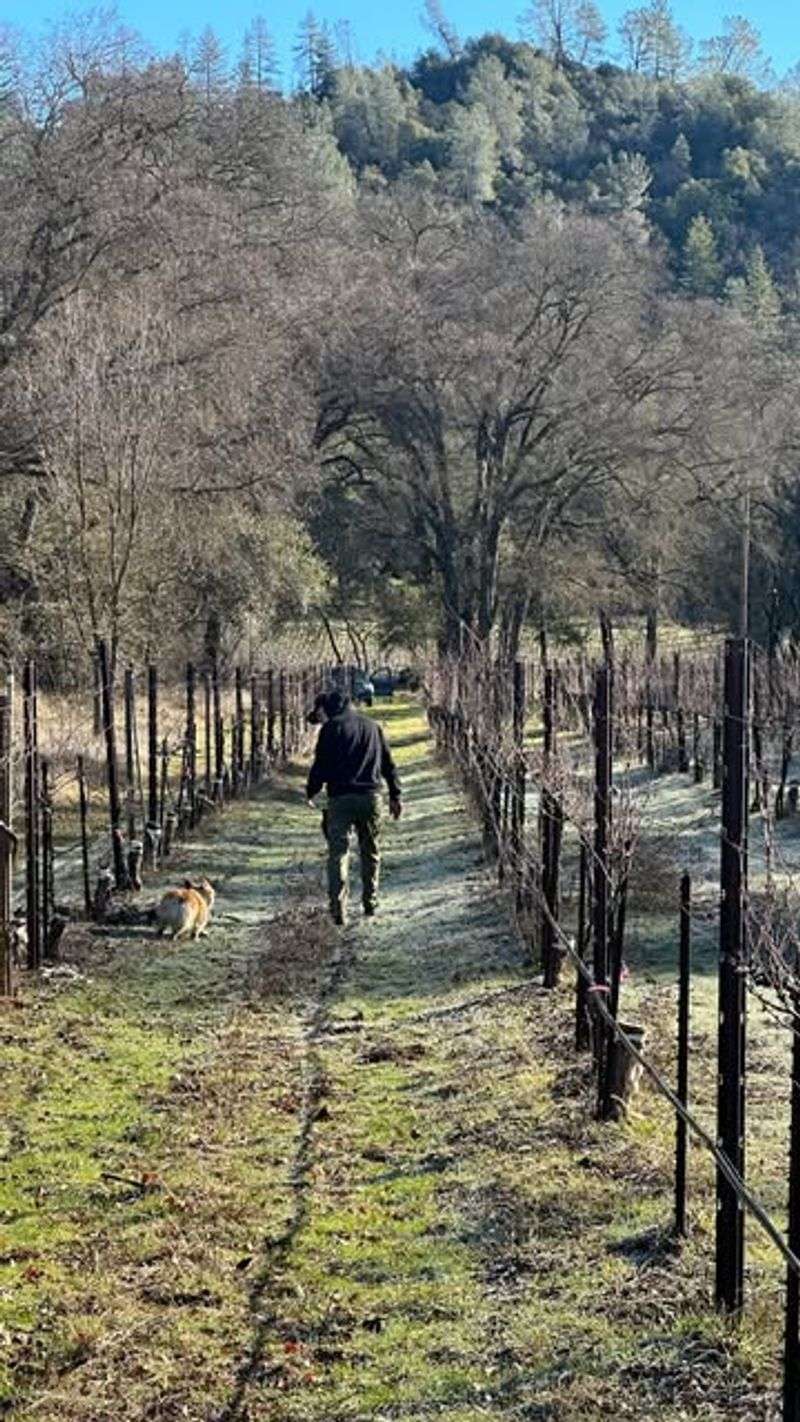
(383, 680)
(363, 689)
(407, 678)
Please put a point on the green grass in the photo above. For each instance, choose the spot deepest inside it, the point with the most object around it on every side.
(287, 1174)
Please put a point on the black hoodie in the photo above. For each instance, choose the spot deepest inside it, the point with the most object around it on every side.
(351, 757)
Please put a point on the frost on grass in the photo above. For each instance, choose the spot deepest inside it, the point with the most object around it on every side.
(298, 1175)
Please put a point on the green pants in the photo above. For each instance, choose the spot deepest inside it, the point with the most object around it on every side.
(361, 813)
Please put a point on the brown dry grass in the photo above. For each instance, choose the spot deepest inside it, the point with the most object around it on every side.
(299, 944)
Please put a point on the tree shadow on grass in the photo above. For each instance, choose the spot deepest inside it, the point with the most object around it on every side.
(649, 1249)
(274, 1256)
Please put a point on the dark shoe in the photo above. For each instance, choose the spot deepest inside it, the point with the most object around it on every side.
(339, 918)
(369, 910)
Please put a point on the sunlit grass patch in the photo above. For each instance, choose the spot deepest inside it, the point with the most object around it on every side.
(325, 1177)
(151, 1114)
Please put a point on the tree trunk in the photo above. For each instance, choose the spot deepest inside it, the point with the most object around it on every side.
(329, 630)
(357, 651)
(512, 621)
(27, 522)
(651, 636)
(212, 638)
(487, 586)
(607, 634)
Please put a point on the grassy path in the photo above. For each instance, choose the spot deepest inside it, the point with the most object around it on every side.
(289, 1173)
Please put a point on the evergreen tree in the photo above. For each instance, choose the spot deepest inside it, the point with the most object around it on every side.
(305, 52)
(473, 154)
(502, 101)
(755, 294)
(370, 114)
(676, 168)
(327, 61)
(745, 166)
(681, 159)
(209, 66)
(314, 57)
(701, 269)
(258, 65)
(622, 184)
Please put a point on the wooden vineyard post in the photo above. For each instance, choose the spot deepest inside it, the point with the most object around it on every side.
(255, 731)
(130, 754)
(495, 798)
(697, 762)
(552, 828)
(31, 742)
(791, 1366)
(505, 807)
(582, 1034)
(621, 728)
(650, 743)
(133, 778)
(282, 715)
(271, 714)
(289, 717)
(7, 837)
(602, 836)
(237, 745)
(97, 695)
(614, 1080)
(304, 706)
(109, 728)
(88, 902)
(680, 719)
(293, 685)
(181, 799)
(219, 736)
(618, 927)
(152, 831)
(760, 774)
(165, 844)
(191, 743)
(46, 872)
(684, 989)
(518, 781)
(233, 772)
(207, 776)
(787, 749)
(729, 1291)
(716, 731)
(297, 718)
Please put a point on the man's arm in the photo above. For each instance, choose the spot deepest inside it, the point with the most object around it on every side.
(389, 769)
(317, 774)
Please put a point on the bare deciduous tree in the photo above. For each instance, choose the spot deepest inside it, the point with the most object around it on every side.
(102, 390)
(492, 387)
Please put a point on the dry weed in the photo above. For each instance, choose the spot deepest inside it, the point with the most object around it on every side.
(298, 946)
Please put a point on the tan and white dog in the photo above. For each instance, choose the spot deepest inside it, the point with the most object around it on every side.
(185, 912)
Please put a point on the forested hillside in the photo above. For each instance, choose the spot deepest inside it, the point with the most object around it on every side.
(453, 350)
(503, 123)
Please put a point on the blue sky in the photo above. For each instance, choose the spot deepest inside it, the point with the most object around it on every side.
(398, 32)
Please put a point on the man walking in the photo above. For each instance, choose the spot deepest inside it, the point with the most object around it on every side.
(350, 760)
